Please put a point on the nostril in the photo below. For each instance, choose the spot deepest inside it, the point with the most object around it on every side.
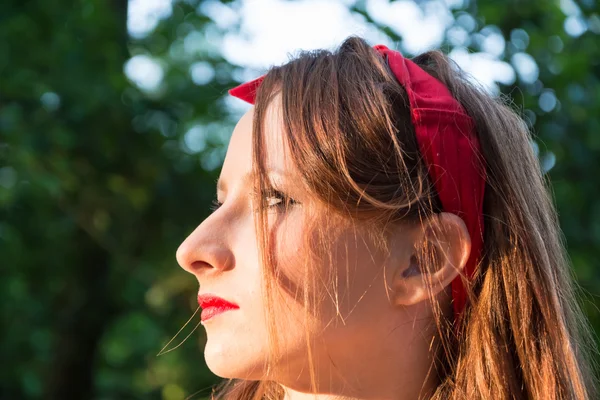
(198, 265)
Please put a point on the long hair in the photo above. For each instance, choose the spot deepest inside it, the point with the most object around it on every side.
(346, 121)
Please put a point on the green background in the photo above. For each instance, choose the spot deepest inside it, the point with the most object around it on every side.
(98, 186)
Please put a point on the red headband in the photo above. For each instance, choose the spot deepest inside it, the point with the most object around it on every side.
(449, 145)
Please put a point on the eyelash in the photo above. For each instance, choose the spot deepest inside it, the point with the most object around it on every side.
(215, 205)
(272, 193)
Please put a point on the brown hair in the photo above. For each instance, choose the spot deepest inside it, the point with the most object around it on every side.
(346, 121)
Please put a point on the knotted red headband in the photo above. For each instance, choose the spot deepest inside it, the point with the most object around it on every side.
(449, 145)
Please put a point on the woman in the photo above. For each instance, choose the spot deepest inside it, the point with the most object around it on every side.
(382, 231)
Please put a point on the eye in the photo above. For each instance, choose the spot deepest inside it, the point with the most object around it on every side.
(274, 198)
(280, 198)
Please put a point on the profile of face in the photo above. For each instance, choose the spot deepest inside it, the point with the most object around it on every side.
(369, 316)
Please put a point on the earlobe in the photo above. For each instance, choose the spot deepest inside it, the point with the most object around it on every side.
(441, 249)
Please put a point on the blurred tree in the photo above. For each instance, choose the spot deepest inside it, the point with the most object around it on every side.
(97, 189)
(101, 179)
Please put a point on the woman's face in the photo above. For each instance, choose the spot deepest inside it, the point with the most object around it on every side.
(222, 252)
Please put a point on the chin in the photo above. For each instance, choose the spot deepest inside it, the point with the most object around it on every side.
(233, 362)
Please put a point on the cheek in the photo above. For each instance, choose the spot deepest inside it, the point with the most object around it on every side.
(332, 266)
(292, 271)
(357, 279)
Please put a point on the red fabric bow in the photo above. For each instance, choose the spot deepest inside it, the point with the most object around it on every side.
(449, 145)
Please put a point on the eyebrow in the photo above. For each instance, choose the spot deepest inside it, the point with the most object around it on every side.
(222, 186)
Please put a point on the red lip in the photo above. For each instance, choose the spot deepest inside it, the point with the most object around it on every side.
(213, 305)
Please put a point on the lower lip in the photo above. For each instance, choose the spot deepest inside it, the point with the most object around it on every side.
(210, 312)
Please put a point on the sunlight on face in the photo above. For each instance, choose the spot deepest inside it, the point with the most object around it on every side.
(223, 254)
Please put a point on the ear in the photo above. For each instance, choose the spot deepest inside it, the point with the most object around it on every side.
(445, 237)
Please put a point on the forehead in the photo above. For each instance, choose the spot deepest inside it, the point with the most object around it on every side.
(238, 160)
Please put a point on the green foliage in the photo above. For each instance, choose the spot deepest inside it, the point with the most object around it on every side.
(97, 193)
(99, 184)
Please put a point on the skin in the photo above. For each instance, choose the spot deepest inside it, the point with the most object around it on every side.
(373, 343)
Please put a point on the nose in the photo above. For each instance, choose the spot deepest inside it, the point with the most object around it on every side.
(204, 251)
